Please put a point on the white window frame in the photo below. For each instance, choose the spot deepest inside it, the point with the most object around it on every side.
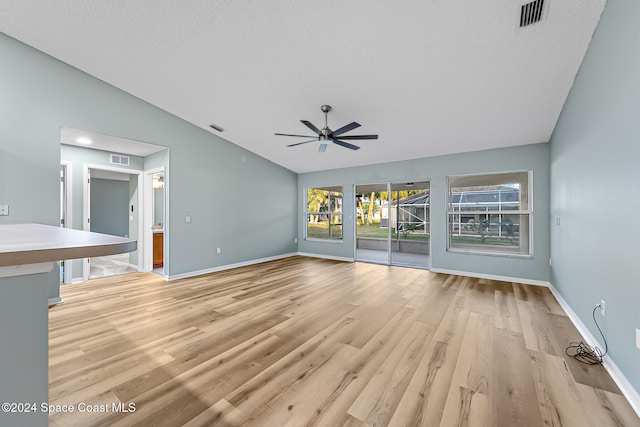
(331, 189)
(528, 212)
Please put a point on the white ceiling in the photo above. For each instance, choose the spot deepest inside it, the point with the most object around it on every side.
(70, 136)
(431, 77)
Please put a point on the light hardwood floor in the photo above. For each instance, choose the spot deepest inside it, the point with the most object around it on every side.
(304, 341)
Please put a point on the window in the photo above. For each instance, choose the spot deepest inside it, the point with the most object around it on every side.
(324, 213)
(490, 213)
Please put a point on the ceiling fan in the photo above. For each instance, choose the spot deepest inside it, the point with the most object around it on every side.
(327, 135)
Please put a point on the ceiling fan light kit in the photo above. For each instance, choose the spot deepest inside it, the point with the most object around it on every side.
(326, 135)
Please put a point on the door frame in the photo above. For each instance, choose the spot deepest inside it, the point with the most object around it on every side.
(147, 234)
(428, 220)
(388, 185)
(67, 203)
(86, 208)
(355, 224)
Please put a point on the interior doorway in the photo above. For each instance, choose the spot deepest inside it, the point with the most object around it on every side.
(392, 224)
(154, 233)
(112, 205)
(87, 153)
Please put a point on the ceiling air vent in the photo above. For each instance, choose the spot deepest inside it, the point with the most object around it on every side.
(531, 13)
(119, 159)
(216, 127)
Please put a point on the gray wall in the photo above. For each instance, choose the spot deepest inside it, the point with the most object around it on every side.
(79, 157)
(210, 179)
(23, 334)
(595, 151)
(208, 176)
(110, 207)
(531, 157)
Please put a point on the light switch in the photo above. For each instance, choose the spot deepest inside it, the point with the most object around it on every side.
(187, 219)
(4, 210)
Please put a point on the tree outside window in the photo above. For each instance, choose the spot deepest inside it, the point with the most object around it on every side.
(324, 213)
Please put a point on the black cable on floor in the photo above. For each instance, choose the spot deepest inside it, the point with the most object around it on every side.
(585, 353)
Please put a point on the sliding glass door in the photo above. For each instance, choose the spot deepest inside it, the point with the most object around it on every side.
(392, 223)
(372, 219)
(409, 222)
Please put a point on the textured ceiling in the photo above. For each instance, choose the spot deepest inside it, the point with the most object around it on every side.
(430, 77)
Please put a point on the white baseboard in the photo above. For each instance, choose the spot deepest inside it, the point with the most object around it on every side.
(492, 277)
(226, 267)
(632, 395)
(334, 258)
(629, 392)
(55, 301)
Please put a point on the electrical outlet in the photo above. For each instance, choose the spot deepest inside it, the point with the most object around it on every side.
(4, 210)
(602, 306)
(187, 219)
(638, 338)
(219, 250)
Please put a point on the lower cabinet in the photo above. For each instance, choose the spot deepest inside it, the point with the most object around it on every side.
(158, 250)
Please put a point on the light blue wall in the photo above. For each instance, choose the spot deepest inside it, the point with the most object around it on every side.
(530, 157)
(110, 207)
(210, 179)
(595, 191)
(157, 160)
(239, 201)
(79, 157)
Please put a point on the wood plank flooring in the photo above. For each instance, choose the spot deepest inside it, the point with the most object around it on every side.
(301, 342)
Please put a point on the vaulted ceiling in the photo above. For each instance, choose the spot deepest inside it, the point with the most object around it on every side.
(431, 77)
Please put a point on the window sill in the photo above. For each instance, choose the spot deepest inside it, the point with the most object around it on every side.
(323, 240)
(493, 254)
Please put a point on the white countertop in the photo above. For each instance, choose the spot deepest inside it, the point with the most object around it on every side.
(36, 243)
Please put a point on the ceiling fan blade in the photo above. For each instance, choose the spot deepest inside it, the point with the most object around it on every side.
(310, 126)
(346, 144)
(290, 134)
(303, 142)
(359, 137)
(322, 148)
(345, 129)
